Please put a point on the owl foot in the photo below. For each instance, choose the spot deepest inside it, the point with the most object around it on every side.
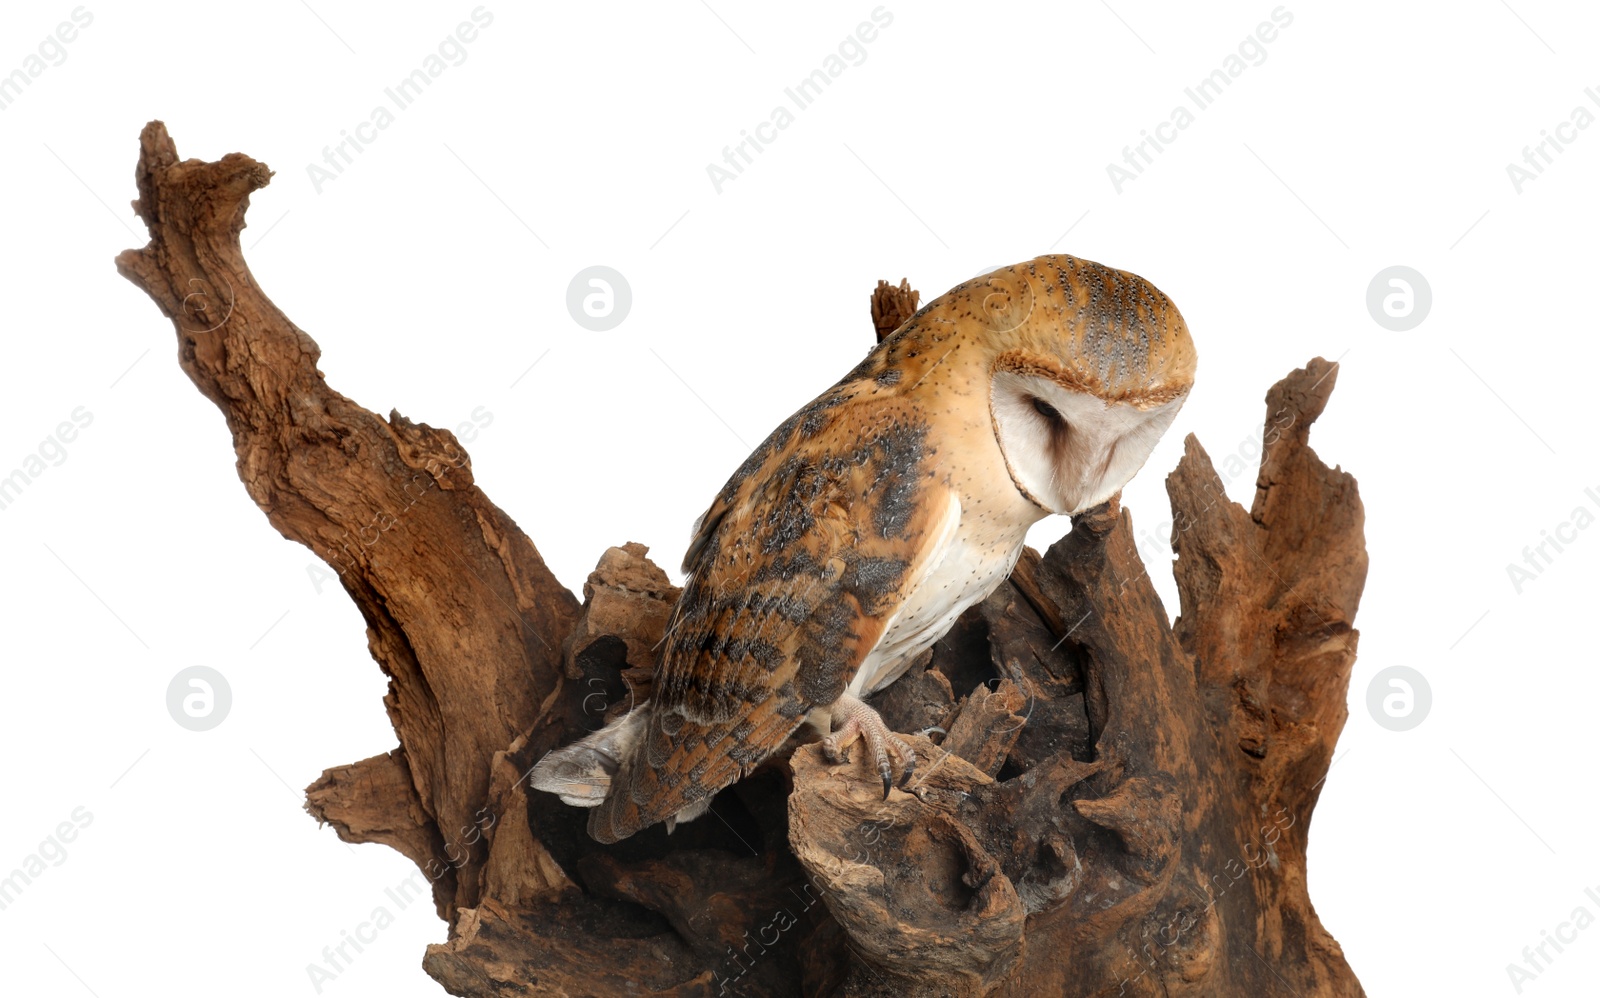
(853, 719)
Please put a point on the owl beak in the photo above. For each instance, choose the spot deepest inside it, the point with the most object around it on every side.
(1093, 485)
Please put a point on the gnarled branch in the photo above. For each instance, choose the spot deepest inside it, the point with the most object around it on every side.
(1108, 804)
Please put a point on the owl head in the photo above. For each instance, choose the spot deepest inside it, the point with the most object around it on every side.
(1084, 368)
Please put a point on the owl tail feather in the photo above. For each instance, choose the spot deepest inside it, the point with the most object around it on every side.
(581, 773)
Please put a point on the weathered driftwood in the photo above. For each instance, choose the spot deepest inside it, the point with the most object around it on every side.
(1107, 805)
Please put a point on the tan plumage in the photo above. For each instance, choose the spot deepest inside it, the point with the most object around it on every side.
(856, 533)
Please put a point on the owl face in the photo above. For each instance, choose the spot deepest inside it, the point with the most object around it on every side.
(1067, 449)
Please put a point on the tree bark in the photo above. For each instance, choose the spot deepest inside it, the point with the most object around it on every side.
(1108, 805)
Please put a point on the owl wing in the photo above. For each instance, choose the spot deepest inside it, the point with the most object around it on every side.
(794, 572)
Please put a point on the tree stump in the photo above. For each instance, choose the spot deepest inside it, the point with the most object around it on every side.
(1108, 805)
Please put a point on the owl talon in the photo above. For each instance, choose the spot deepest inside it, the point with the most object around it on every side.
(854, 720)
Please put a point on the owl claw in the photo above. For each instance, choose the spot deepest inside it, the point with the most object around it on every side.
(854, 720)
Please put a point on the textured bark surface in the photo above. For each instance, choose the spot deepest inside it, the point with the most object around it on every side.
(892, 305)
(1107, 805)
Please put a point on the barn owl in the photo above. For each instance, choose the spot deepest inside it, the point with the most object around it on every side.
(856, 534)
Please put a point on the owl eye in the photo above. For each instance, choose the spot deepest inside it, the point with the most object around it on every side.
(1046, 410)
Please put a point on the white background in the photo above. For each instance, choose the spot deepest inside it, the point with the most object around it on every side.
(433, 273)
